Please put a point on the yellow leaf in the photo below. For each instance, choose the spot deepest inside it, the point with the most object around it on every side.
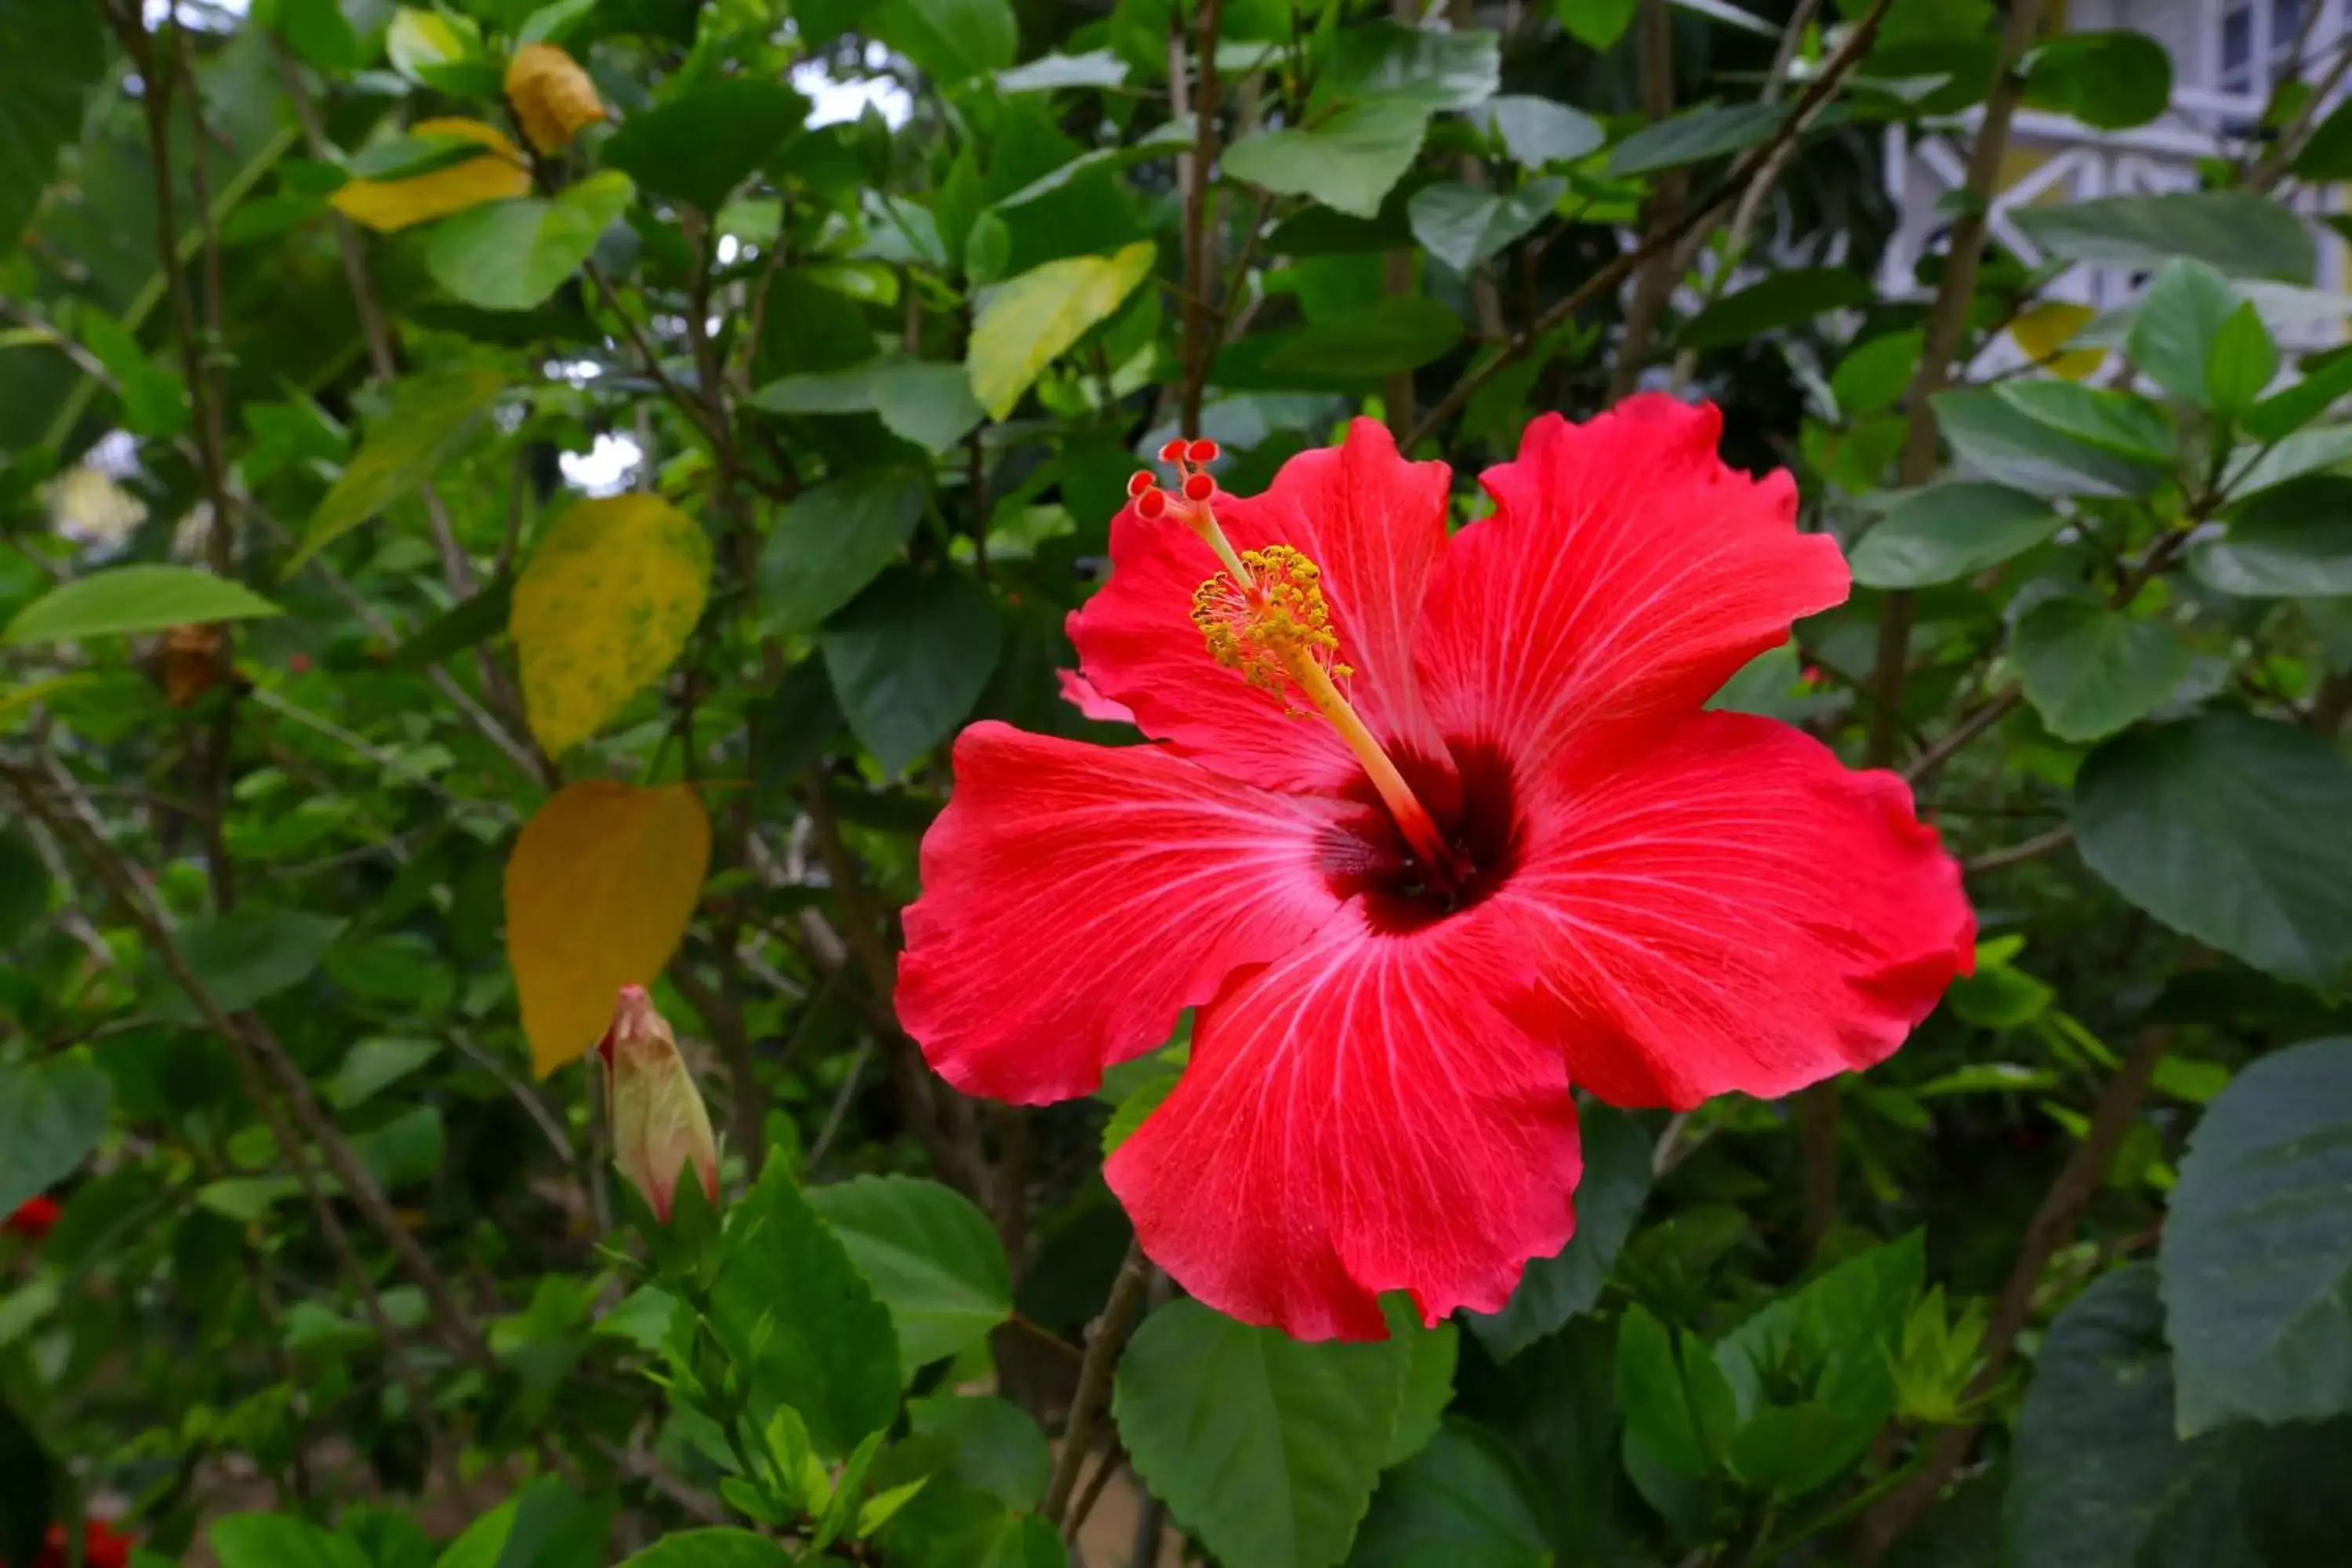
(552, 97)
(419, 40)
(2042, 331)
(599, 888)
(384, 205)
(603, 607)
(1034, 317)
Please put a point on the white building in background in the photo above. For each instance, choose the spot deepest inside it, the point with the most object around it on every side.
(2226, 55)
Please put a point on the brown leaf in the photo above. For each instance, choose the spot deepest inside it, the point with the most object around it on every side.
(552, 97)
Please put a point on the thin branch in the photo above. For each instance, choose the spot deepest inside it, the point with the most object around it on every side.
(1198, 235)
(2051, 1226)
(1654, 285)
(1833, 72)
(2032, 849)
(1119, 1313)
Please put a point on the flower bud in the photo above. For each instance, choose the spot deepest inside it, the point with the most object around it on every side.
(552, 97)
(660, 1125)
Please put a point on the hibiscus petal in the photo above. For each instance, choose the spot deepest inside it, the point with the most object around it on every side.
(1358, 1117)
(1080, 693)
(1732, 908)
(1077, 899)
(1624, 570)
(1374, 524)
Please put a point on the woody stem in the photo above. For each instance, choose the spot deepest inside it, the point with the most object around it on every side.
(1412, 819)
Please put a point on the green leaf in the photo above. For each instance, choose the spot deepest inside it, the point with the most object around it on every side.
(2117, 421)
(132, 600)
(1650, 1390)
(1990, 434)
(998, 1448)
(1462, 225)
(52, 52)
(1133, 1107)
(245, 956)
(910, 658)
(712, 1549)
(1466, 1501)
(456, 629)
(2228, 828)
(1025, 324)
(1779, 300)
(2110, 80)
(833, 541)
(795, 1313)
(2252, 472)
(319, 32)
(1875, 373)
(1431, 1356)
(52, 1115)
(932, 1258)
(1609, 1197)
(698, 146)
(2292, 541)
(1596, 24)
(2244, 361)
(2176, 324)
(1394, 335)
(2256, 1255)
(1538, 132)
(950, 40)
(1693, 136)
(1348, 162)
(2098, 1479)
(430, 415)
(280, 1540)
(1948, 531)
(929, 403)
(2089, 671)
(2292, 407)
(1265, 1448)
(2237, 232)
(513, 256)
(1413, 68)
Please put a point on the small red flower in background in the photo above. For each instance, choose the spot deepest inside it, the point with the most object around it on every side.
(34, 1218)
(1437, 827)
(101, 1547)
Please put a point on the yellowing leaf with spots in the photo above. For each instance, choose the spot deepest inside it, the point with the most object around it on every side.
(599, 888)
(605, 605)
(1036, 317)
(2043, 330)
(498, 174)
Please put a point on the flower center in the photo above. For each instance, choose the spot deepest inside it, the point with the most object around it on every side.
(1264, 617)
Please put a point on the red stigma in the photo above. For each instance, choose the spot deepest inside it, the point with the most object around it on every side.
(1151, 505)
(1198, 487)
(1173, 452)
(1140, 481)
(1201, 452)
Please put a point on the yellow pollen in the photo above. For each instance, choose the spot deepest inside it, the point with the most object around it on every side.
(1273, 627)
(1272, 619)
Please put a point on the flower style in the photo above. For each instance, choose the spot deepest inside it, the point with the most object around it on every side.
(1436, 828)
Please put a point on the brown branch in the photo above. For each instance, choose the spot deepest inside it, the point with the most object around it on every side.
(1119, 1313)
(2051, 1226)
(1199, 238)
(1833, 72)
(1654, 285)
(2032, 849)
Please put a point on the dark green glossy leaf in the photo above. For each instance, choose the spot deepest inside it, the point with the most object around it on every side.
(2241, 364)
(998, 1448)
(2227, 828)
(52, 1115)
(2089, 671)
(1392, 335)
(1779, 300)
(834, 540)
(457, 628)
(1413, 68)
(932, 1258)
(1462, 225)
(2117, 421)
(2111, 81)
(2176, 325)
(2257, 1254)
(2291, 542)
(1538, 132)
(1693, 137)
(1348, 161)
(1948, 531)
(2237, 232)
(512, 256)
(701, 144)
(1990, 435)
(929, 403)
(910, 658)
(1609, 1197)
(1466, 1501)
(52, 53)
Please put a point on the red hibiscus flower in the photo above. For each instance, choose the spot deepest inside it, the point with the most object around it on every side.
(101, 1547)
(1436, 828)
(34, 1218)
